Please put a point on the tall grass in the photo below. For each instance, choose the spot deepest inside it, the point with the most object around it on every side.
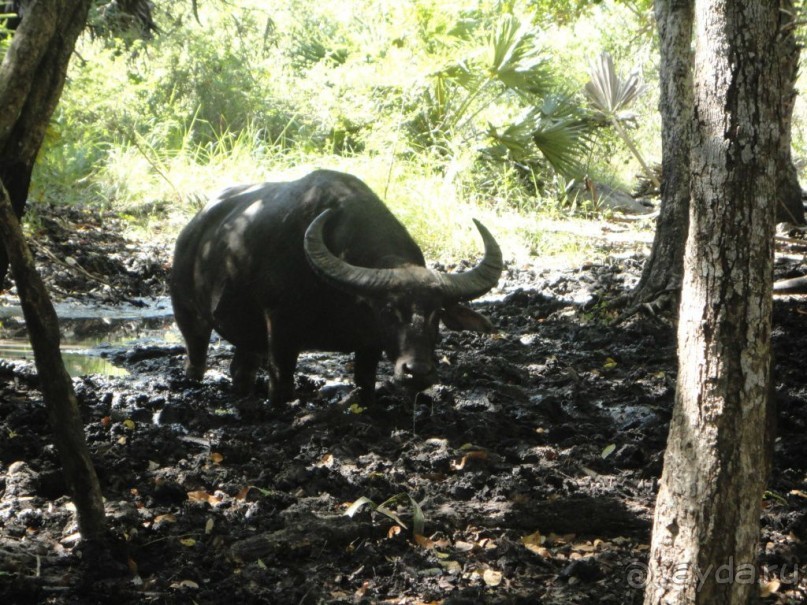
(264, 91)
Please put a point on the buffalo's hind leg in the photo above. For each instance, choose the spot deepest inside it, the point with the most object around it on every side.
(196, 333)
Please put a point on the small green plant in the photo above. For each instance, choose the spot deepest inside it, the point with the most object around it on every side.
(5, 32)
(418, 520)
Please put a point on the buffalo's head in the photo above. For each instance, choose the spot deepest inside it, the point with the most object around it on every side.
(410, 300)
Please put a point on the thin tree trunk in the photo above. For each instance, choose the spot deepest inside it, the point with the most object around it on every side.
(55, 383)
(32, 77)
(706, 524)
(790, 207)
(663, 269)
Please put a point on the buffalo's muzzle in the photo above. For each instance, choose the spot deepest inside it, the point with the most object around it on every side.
(416, 375)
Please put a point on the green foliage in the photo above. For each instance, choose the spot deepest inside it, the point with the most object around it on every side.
(5, 33)
(565, 12)
(445, 109)
(511, 76)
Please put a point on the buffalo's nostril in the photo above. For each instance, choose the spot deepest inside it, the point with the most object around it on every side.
(416, 368)
(415, 374)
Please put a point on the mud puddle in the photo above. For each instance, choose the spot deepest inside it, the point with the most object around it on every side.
(92, 333)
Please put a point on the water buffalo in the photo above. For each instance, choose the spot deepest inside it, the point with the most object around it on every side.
(316, 264)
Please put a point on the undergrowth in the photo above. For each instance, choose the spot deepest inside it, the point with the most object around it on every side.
(447, 110)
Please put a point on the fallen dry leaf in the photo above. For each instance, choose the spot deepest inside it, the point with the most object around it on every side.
(326, 461)
(554, 538)
(462, 546)
(534, 542)
(203, 496)
(362, 590)
(428, 543)
(487, 544)
(766, 589)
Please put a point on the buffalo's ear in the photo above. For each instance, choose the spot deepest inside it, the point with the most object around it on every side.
(460, 317)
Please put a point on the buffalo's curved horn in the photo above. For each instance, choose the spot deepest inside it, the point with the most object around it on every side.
(474, 283)
(371, 281)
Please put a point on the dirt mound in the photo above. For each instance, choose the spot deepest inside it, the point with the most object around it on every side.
(82, 253)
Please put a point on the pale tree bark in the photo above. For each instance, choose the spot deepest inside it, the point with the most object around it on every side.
(661, 277)
(706, 524)
(660, 282)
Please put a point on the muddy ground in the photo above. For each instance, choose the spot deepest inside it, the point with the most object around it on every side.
(527, 476)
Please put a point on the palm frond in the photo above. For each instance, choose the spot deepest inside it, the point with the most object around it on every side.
(518, 61)
(463, 74)
(554, 130)
(608, 93)
(611, 96)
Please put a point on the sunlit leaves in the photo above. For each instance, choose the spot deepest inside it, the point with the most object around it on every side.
(518, 61)
(553, 130)
(484, 88)
(611, 96)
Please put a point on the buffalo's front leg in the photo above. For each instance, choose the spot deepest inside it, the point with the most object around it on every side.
(282, 364)
(366, 365)
(243, 368)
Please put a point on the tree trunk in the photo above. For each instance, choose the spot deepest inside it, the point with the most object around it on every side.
(662, 271)
(32, 76)
(55, 383)
(706, 524)
(661, 277)
(790, 208)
